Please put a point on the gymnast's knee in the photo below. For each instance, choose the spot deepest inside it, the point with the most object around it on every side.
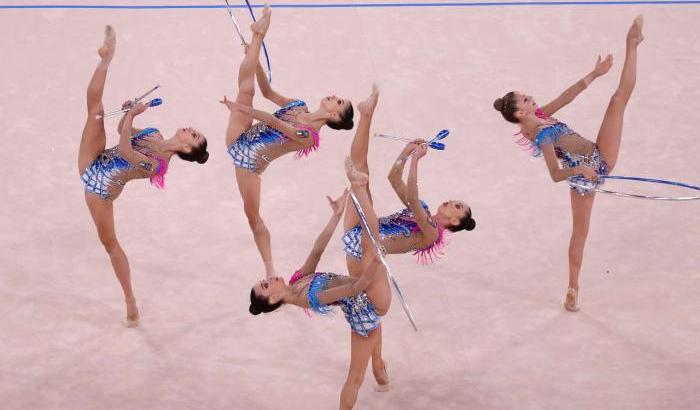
(246, 88)
(110, 244)
(579, 234)
(619, 99)
(257, 225)
(95, 109)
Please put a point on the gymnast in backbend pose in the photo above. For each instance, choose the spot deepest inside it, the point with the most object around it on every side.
(412, 229)
(291, 129)
(363, 299)
(570, 156)
(141, 153)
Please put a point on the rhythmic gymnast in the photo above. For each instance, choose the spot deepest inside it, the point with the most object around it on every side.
(399, 233)
(570, 156)
(141, 153)
(363, 299)
(412, 229)
(291, 128)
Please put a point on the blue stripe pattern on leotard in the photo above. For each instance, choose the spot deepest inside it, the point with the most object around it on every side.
(401, 223)
(245, 151)
(551, 135)
(318, 284)
(359, 311)
(104, 171)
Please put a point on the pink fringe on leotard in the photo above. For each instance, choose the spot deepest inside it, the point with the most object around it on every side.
(295, 277)
(525, 143)
(305, 152)
(540, 114)
(433, 252)
(158, 180)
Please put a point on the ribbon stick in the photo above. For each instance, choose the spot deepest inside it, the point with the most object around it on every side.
(235, 23)
(382, 258)
(240, 35)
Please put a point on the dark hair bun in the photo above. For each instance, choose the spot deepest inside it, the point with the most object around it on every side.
(498, 104)
(203, 158)
(470, 224)
(346, 120)
(254, 310)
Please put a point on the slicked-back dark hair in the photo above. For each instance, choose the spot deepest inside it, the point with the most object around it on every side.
(261, 304)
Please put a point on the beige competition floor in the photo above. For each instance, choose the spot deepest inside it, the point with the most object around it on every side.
(493, 334)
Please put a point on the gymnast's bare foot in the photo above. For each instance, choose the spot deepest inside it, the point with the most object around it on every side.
(132, 314)
(263, 23)
(382, 377)
(634, 35)
(106, 51)
(367, 106)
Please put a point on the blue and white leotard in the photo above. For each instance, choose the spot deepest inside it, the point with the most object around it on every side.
(401, 223)
(247, 151)
(359, 311)
(109, 172)
(556, 134)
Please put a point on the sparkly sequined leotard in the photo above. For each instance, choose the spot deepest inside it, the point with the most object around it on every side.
(108, 174)
(571, 149)
(359, 311)
(250, 150)
(402, 223)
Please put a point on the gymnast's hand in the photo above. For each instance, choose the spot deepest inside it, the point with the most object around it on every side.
(410, 148)
(603, 66)
(138, 109)
(237, 107)
(338, 205)
(127, 104)
(420, 151)
(588, 173)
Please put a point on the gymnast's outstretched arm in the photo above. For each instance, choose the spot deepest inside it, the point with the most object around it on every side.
(396, 173)
(601, 67)
(430, 233)
(557, 173)
(134, 131)
(289, 131)
(324, 237)
(125, 148)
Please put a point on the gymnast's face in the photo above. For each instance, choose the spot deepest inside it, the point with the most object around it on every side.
(525, 104)
(271, 288)
(190, 137)
(453, 211)
(335, 105)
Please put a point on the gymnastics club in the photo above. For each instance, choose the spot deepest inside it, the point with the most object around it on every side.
(433, 143)
(394, 283)
(134, 101)
(235, 23)
(153, 103)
